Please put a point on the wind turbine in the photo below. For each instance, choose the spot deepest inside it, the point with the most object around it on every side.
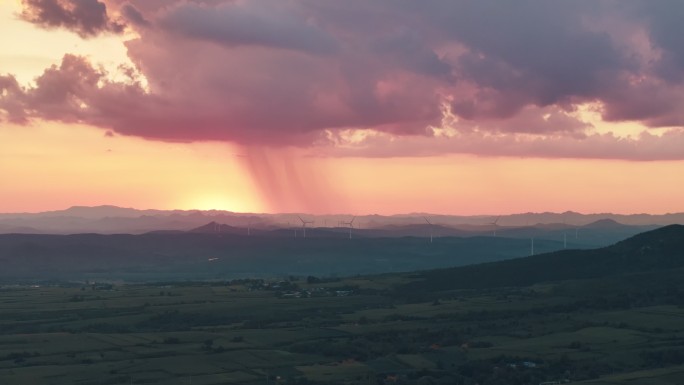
(565, 233)
(532, 246)
(429, 224)
(304, 224)
(495, 224)
(350, 224)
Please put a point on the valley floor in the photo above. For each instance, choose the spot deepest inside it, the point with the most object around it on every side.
(349, 331)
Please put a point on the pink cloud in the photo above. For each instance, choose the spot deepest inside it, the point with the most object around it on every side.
(282, 73)
(266, 24)
(645, 147)
(12, 100)
(85, 17)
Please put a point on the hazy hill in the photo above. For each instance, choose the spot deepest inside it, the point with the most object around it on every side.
(218, 228)
(213, 255)
(604, 224)
(114, 220)
(660, 249)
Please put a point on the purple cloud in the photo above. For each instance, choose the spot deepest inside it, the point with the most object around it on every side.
(300, 72)
(264, 24)
(85, 17)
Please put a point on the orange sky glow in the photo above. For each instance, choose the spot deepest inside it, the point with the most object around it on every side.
(47, 164)
(52, 166)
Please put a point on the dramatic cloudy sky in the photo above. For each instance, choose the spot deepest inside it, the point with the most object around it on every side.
(343, 106)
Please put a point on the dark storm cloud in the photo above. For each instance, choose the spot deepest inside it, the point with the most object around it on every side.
(530, 52)
(409, 50)
(131, 13)
(665, 27)
(251, 23)
(299, 72)
(85, 17)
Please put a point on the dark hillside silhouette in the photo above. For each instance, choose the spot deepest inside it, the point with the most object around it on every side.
(659, 249)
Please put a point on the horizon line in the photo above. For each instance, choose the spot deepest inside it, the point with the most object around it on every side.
(415, 213)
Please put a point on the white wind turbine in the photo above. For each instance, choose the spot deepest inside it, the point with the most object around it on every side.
(350, 224)
(565, 233)
(429, 224)
(532, 246)
(495, 224)
(304, 223)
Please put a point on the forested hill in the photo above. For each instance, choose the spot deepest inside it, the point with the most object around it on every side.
(660, 249)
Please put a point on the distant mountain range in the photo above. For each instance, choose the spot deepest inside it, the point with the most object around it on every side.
(220, 251)
(218, 245)
(115, 220)
(201, 255)
(115, 243)
(653, 251)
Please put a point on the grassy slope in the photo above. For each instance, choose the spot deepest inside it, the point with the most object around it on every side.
(623, 327)
(659, 249)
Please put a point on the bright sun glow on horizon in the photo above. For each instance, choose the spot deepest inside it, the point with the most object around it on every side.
(56, 166)
(76, 165)
(218, 202)
(51, 165)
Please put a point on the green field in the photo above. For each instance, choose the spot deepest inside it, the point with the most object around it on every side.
(344, 331)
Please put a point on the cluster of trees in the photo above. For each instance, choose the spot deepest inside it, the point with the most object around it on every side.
(19, 357)
(379, 344)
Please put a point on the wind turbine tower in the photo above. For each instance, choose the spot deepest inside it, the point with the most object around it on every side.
(351, 225)
(429, 224)
(532, 246)
(304, 223)
(495, 224)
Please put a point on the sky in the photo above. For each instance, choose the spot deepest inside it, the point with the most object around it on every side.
(323, 106)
